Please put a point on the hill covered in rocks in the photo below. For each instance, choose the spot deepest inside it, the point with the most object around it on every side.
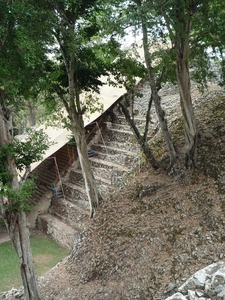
(156, 228)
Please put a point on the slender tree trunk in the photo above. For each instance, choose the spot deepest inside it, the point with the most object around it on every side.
(184, 83)
(16, 222)
(76, 116)
(190, 128)
(140, 139)
(157, 100)
(32, 120)
(90, 184)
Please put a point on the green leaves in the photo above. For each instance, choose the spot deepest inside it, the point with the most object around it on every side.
(17, 198)
(24, 153)
(126, 70)
(31, 150)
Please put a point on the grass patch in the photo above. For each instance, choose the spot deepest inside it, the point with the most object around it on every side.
(46, 254)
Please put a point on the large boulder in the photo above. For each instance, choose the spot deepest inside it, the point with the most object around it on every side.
(205, 284)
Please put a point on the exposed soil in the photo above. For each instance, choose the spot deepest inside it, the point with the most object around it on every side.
(4, 237)
(42, 258)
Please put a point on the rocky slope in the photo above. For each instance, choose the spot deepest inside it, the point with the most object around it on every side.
(157, 228)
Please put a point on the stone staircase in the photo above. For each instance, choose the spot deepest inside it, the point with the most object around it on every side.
(46, 174)
(113, 154)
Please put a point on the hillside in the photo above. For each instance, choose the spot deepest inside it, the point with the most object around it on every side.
(158, 227)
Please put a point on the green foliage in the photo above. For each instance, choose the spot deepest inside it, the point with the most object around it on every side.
(31, 150)
(126, 71)
(88, 69)
(18, 197)
(23, 42)
(24, 36)
(201, 73)
(164, 64)
(24, 153)
(107, 51)
(82, 56)
(92, 103)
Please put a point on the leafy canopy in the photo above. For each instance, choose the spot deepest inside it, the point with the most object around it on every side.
(24, 154)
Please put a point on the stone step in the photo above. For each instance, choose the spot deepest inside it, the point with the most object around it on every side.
(65, 157)
(107, 165)
(74, 192)
(72, 214)
(111, 149)
(41, 189)
(111, 154)
(120, 119)
(77, 194)
(114, 176)
(39, 193)
(58, 230)
(76, 176)
(46, 178)
(84, 205)
(127, 146)
(124, 127)
(119, 135)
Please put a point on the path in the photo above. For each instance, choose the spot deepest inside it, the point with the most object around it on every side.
(4, 237)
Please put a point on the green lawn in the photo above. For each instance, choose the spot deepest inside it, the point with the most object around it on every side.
(46, 254)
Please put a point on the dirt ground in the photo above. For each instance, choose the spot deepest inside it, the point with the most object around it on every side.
(4, 237)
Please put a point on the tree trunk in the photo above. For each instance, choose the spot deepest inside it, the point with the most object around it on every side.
(183, 79)
(16, 222)
(190, 128)
(90, 184)
(162, 120)
(76, 112)
(141, 139)
(32, 120)
(157, 100)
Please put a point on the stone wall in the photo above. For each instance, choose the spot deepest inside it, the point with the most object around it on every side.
(59, 231)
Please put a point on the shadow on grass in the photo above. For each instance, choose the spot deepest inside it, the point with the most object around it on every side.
(46, 254)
